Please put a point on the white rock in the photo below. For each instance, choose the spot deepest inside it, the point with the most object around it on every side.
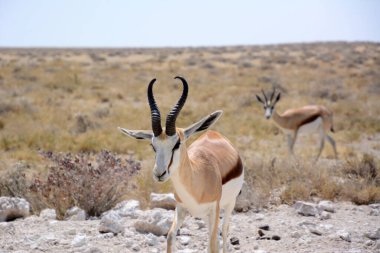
(374, 235)
(136, 247)
(157, 221)
(306, 209)
(165, 224)
(48, 214)
(128, 242)
(75, 214)
(105, 235)
(165, 201)
(369, 243)
(306, 224)
(201, 224)
(156, 215)
(151, 239)
(185, 240)
(327, 226)
(374, 212)
(145, 227)
(326, 205)
(375, 206)
(79, 241)
(111, 223)
(295, 234)
(259, 216)
(127, 208)
(325, 215)
(13, 208)
(344, 235)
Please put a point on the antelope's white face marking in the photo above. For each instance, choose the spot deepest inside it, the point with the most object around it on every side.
(268, 111)
(167, 156)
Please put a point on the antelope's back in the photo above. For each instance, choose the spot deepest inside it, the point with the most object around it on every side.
(215, 151)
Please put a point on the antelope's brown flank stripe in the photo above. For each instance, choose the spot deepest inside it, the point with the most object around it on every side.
(309, 119)
(234, 173)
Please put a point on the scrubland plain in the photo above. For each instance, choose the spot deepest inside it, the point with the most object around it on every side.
(73, 100)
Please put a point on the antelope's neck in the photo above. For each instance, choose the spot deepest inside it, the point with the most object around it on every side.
(182, 177)
(281, 121)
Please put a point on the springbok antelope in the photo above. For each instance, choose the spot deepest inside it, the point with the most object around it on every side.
(307, 119)
(206, 177)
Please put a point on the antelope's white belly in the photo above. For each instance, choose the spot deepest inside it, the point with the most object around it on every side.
(230, 191)
(199, 210)
(313, 126)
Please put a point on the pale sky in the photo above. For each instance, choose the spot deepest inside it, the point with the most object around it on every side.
(160, 23)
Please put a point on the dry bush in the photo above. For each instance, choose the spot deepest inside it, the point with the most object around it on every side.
(362, 180)
(94, 182)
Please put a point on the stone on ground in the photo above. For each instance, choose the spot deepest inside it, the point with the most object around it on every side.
(48, 214)
(75, 214)
(165, 201)
(111, 223)
(13, 208)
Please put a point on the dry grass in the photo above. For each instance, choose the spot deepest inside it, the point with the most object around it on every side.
(73, 100)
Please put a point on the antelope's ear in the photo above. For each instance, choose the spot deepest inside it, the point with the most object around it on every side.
(203, 124)
(137, 134)
(259, 99)
(278, 97)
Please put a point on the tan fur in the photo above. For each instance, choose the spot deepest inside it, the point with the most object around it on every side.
(201, 168)
(293, 119)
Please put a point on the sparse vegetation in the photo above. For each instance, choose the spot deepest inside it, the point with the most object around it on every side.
(72, 101)
(93, 182)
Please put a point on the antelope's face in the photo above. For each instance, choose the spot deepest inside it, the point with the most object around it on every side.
(269, 105)
(167, 149)
(166, 144)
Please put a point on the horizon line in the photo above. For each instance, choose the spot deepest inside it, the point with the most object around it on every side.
(197, 46)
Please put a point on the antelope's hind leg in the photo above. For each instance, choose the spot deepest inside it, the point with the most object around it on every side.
(321, 144)
(212, 221)
(226, 224)
(333, 144)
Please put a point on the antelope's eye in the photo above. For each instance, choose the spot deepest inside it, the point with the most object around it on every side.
(153, 147)
(177, 145)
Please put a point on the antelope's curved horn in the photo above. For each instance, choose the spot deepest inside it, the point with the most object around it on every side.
(266, 99)
(274, 92)
(156, 116)
(172, 116)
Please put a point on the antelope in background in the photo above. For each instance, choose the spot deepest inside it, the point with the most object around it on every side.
(206, 177)
(307, 119)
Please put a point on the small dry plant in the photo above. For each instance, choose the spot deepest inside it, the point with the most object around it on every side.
(93, 182)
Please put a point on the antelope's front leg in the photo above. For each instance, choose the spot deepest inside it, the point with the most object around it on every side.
(213, 222)
(179, 217)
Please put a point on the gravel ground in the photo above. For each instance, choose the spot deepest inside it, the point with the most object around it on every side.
(347, 230)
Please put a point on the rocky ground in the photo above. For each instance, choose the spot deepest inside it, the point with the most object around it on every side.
(305, 227)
